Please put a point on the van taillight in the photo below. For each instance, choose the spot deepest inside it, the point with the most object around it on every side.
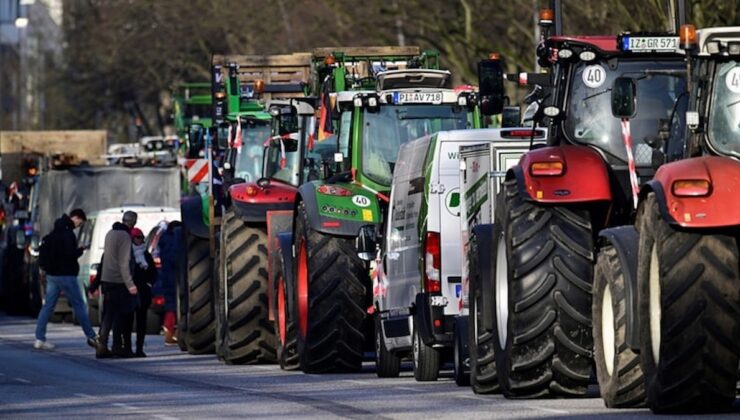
(432, 258)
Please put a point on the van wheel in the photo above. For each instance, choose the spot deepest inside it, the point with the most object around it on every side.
(688, 300)
(249, 336)
(332, 297)
(483, 374)
(543, 275)
(387, 363)
(621, 381)
(426, 358)
(201, 321)
(285, 324)
(461, 356)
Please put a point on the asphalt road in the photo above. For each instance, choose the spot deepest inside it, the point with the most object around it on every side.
(69, 382)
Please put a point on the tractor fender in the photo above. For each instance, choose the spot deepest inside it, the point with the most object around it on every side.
(716, 209)
(625, 241)
(330, 226)
(191, 209)
(585, 177)
(484, 240)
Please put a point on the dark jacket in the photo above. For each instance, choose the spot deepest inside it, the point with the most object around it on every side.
(171, 254)
(62, 249)
(144, 279)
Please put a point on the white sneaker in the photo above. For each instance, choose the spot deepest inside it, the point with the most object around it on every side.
(43, 345)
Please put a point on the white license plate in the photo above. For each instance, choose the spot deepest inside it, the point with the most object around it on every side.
(650, 43)
(418, 97)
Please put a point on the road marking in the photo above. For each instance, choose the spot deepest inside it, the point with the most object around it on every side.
(405, 388)
(164, 417)
(84, 396)
(126, 406)
(547, 410)
(21, 380)
(356, 382)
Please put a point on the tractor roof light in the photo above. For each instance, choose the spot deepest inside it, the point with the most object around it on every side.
(691, 188)
(219, 95)
(494, 56)
(587, 55)
(733, 48)
(692, 120)
(565, 53)
(546, 17)
(687, 37)
(462, 100)
(357, 102)
(551, 168)
(259, 86)
(330, 60)
(372, 101)
(713, 47)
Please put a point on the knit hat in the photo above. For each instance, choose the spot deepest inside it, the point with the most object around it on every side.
(136, 232)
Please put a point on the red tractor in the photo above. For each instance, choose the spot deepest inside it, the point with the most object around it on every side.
(667, 291)
(531, 301)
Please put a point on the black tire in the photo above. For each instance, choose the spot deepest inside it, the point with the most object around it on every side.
(182, 301)
(620, 377)
(200, 336)
(337, 295)
(387, 363)
(285, 324)
(426, 358)
(481, 343)
(461, 355)
(546, 346)
(695, 292)
(219, 304)
(249, 336)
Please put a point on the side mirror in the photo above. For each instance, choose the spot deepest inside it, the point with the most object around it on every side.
(222, 135)
(196, 140)
(624, 97)
(491, 83)
(20, 239)
(511, 116)
(35, 242)
(366, 243)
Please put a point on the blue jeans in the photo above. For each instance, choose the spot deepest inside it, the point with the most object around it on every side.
(54, 286)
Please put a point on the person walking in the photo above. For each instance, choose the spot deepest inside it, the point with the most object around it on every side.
(58, 258)
(171, 253)
(119, 290)
(144, 275)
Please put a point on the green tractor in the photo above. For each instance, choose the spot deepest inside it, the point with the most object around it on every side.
(378, 98)
(192, 115)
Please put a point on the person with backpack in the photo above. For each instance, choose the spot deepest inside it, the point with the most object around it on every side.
(58, 258)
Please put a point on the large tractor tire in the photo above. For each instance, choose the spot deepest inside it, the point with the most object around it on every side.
(219, 304)
(332, 297)
(200, 336)
(689, 303)
(285, 320)
(543, 275)
(249, 336)
(621, 381)
(387, 363)
(483, 374)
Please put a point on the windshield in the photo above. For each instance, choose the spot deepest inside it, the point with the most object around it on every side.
(386, 130)
(249, 156)
(590, 120)
(285, 170)
(724, 116)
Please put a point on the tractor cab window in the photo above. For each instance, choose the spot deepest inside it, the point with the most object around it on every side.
(197, 110)
(249, 156)
(283, 162)
(724, 115)
(384, 131)
(589, 119)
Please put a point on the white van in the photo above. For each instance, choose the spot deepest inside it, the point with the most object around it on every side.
(93, 236)
(417, 276)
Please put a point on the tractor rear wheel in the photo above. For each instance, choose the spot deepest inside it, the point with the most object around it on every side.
(332, 297)
(543, 275)
(249, 336)
(621, 381)
(285, 323)
(483, 374)
(689, 300)
(200, 335)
